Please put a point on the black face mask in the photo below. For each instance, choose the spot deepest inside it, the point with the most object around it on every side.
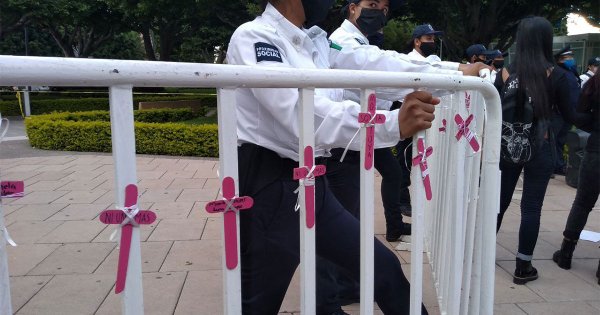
(376, 39)
(428, 48)
(499, 64)
(371, 21)
(315, 11)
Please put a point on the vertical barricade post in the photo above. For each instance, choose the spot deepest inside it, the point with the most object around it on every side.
(421, 192)
(367, 200)
(228, 168)
(123, 150)
(305, 173)
(5, 304)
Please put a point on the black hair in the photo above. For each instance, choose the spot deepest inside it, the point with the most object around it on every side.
(533, 58)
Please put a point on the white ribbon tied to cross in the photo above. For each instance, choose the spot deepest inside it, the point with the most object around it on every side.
(363, 125)
(7, 237)
(309, 180)
(130, 212)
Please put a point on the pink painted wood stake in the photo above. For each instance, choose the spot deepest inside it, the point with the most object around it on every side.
(369, 119)
(421, 160)
(306, 175)
(443, 127)
(465, 131)
(127, 217)
(12, 189)
(228, 206)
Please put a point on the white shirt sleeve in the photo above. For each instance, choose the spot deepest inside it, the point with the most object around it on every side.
(335, 122)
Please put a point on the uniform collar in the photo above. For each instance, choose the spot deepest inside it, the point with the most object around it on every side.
(350, 28)
(289, 31)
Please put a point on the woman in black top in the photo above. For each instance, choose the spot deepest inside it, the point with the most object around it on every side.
(546, 84)
(589, 174)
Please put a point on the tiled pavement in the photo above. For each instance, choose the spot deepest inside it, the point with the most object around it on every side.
(65, 263)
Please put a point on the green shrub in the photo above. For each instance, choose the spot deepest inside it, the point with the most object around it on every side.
(44, 106)
(90, 131)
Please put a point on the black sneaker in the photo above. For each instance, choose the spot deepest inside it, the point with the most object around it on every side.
(392, 235)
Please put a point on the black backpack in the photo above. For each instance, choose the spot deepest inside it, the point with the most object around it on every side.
(522, 132)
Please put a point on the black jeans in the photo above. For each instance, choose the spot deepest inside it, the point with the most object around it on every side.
(536, 176)
(404, 156)
(560, 128)
(344, 182)
(270, 242)
(587, 194)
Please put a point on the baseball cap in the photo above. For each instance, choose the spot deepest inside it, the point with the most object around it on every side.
(479, 49)
(425, 29)
(595, 61)
(565, 51)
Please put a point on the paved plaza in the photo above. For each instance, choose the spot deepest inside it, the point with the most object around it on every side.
(65, 263)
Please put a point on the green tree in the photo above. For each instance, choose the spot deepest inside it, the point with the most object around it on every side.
(468, 22)
(12, 19)
(78, 27)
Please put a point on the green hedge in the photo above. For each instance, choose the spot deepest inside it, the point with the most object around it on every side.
(44, 106)
(90, 132)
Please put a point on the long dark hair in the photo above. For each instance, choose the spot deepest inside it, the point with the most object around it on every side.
(533, 58)
(590, 95)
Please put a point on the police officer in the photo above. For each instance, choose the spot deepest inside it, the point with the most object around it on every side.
(478, 53)
(268, 151)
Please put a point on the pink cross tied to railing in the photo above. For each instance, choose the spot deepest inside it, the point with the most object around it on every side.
(228, 206)
(421, 160)
(465, 131)
(128, 217)
(369, 119)
(306, 175)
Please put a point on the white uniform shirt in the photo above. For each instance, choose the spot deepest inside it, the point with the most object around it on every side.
(350, 37)
(584, 77)
(434, 60)
(269, 117)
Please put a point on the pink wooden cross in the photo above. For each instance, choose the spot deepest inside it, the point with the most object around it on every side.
(127, 217)
(12, 189)
(467, 100)
(465, 131)
(421, 160)
(443, 127)
(369, 119)
(229, 205)
(306, 175)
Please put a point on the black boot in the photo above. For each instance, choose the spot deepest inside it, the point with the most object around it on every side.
(563, 256)
(524, 272)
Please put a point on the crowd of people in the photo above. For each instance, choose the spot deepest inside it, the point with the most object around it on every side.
(286, 35)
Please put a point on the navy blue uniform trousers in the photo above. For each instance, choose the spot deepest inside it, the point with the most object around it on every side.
(270, 242)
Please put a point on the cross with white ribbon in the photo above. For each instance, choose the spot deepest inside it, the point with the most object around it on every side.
(127, 217)
(368, 121)
(229, 206)
(465, 131)
(306, 176)
(421, 160)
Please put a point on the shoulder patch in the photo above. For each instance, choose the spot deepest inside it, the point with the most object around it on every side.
(334, 45)
(267, 52)
(360, 41)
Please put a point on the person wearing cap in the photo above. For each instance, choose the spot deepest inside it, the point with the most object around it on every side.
(268, 152)
(565, 59)
(592, 68)
(424, 47)
(478, 53)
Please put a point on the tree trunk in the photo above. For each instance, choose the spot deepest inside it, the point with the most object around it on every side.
(148, 47)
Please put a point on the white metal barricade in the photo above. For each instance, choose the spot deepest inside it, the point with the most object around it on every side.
(120, 76)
